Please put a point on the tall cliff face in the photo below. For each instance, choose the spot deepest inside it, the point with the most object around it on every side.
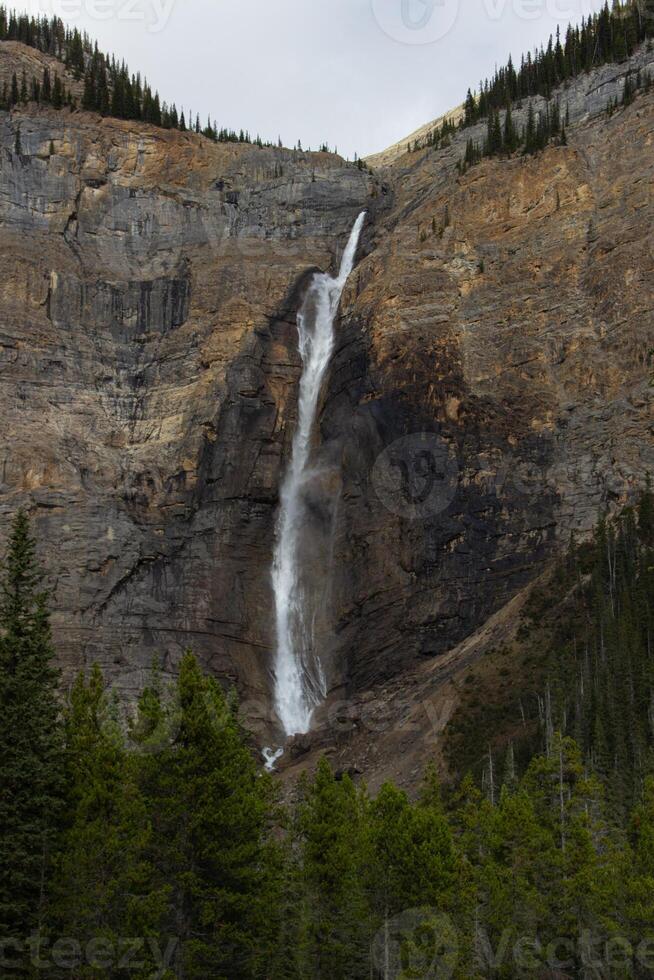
(492, 355)
(509, 315)
(509, 312)
(149, 364)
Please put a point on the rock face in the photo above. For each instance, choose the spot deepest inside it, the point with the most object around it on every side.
(508, 312)
(490, 391)
(149, 369)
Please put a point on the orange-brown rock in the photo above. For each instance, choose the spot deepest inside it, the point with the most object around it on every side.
(510, 312)
(490, 393)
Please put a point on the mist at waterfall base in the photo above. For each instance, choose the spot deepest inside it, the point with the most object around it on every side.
(300, 681)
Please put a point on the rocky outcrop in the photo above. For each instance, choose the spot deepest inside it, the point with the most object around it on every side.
(490, 392)
(507, 314)
(148, 364)
(389, 156)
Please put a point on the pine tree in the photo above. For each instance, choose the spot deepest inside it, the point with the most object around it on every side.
(470, 109)
(646, 514)
(46, 87)
(88, 97)
(530, 131)
(209, 808)
(57, 93)
(104, 882)
(640, 879)
(411, 863)
(31, 744)
(518, 865)
(412, 859)
(334, 932)
(510, 136)
(75, 55)
(570, 807)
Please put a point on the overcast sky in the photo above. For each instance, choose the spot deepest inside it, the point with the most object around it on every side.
(359, 74)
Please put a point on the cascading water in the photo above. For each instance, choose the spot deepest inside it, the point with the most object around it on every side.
(300, 682)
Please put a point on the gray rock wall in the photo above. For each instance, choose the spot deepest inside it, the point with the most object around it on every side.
(148, 380)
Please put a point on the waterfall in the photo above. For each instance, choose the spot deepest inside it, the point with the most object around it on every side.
(300, 682)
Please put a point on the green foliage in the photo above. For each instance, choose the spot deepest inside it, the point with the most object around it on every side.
(109, 87)
(411, 854)
(333, 928)
(601, 674)
(607, 36)
(438, 137)
(167, 829)
(42, 91)
(31, 742)
(582, 664)
(104, 887)
(208, 806)
(640, 878)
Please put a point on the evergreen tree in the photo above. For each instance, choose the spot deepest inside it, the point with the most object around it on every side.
(88, 97)
(470, 109)
(411, 861)
(75, 54)
(57, 93)
(209, 809)
(640, 878)
(46, 87)
(530, 138)
(334, 932)
(518, 864)
(570, 807)
(510, 138)
(31, 744)
(104, 882)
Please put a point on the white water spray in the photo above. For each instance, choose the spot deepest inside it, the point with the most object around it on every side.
(270, 757)
(300, 682)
